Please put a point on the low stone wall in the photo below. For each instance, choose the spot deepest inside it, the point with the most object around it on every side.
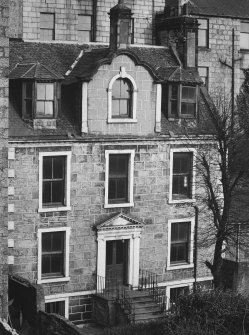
(53, 324)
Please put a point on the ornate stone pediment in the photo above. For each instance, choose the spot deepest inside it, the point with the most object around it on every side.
(119, 221)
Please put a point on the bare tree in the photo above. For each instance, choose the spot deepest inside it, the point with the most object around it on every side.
(223, 168)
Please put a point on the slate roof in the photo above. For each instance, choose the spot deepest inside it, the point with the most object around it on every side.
(56, 57)
(72, 61)
(230, 8)
(33, 71)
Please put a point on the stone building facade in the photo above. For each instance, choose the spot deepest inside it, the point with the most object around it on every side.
(98, 126)
(4, 102)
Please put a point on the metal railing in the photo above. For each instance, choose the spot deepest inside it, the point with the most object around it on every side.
(127, 304)
(109, 288)
(149, 281)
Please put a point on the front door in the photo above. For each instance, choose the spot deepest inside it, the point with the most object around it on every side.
(116, 263)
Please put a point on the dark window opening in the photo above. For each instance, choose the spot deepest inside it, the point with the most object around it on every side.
(180, 238)
(118, 178)
(53, 184)
(53, 254)
(176, 292)
(121, 99)
(57, 307)
(182, 176)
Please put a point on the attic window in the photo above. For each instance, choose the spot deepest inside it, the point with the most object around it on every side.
(39, 100)
(181, 102)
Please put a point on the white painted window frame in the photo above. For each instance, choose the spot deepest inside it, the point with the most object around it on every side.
(190, 264)
(189, 150)
(68, 156)
(122, 74)
(66, 277)
(169, 287)
(131, 154)
(49, 299)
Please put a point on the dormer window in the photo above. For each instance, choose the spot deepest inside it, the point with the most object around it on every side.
(39, 100)
(182, 101)
(122, 98)
(45, 100)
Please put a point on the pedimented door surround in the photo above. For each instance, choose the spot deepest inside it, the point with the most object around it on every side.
(120, 227)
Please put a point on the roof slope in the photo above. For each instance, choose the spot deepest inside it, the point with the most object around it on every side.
(231, 8)
(72, 61)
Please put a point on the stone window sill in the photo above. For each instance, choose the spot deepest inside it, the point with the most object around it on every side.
(52, 280)
(130, 204)
(54, 209)
(117, 120)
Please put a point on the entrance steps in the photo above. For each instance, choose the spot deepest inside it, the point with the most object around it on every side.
(144, 306)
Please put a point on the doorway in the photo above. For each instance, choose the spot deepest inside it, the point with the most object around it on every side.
(116, 263)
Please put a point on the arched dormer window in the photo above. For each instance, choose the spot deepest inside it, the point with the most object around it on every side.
(122, 98)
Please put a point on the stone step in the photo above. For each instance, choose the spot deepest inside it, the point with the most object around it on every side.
(148, 317)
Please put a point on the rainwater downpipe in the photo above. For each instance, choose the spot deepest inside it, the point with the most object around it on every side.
(195, 247)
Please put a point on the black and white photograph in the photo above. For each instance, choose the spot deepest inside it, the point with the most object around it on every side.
(124, 167)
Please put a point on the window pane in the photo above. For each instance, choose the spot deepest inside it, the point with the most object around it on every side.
(49, 91)
(41, 91)
(49, 108)
(183, 228)
(121, 189)
(203, 24)
(58, 167)
(57, 307)
(47, 20)
(124, 107)
(46, 34)
(188, 109)
(84, 22)
(244, 40)
(57, 263)
(181, 162)
(47, 167)
(58, 192)
(121, 98)
(124, 31)
(174, 92)
(29, 105)
(202, 38)
(46, 192)
(188, 92)
(124, 89)
(40, 107)
(45, 264)
(84, 36)
(57, 239)
(244, 28)
(29, 87)
(118, 177)
(46, 242)
(115, 108)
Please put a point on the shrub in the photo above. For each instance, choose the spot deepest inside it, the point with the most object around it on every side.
(207, 313)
